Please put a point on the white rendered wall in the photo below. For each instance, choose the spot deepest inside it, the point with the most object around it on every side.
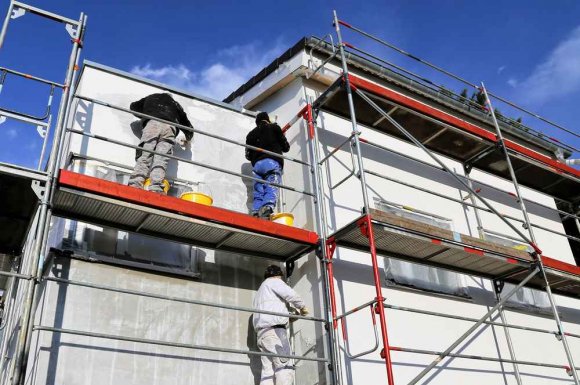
(353, 276)
(225, 278)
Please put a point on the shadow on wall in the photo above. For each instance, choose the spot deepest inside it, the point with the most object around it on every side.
(246, 169)
(255, 361)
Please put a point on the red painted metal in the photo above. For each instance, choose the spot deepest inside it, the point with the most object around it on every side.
(190, 209)
(310, 120)
(380, 298)
(472, 250)
(454, 121)
(344, 23)
(294, 119)
(330, 248)
(559, 265)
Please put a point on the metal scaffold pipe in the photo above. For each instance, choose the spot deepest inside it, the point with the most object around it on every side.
(441, 164)
(24, 336)
(175, 344)
(457, 342)
(456, 77)
(321, 229)
(366, 209)
(538, 252)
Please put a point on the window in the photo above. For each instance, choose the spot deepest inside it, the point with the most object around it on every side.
(527, 299)
(398, 272)
(124, 248)
(427, 278)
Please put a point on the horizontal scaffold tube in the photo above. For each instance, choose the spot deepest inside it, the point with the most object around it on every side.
(203, 165)
(482, 358)
(177, 299)
(565, 213)
(469, 319)
(190, 129)
(31, 77)
(456, 77)
(173, 344)
(468, 204)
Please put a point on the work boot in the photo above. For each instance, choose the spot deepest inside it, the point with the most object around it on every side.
(157, 189)
(265, 212)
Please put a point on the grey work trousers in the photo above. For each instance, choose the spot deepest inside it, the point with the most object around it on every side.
(275, 370)
(158, 137)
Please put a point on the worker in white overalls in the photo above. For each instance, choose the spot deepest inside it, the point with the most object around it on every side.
(274, 295)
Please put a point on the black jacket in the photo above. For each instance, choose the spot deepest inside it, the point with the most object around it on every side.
(163, 106)
(268, 136)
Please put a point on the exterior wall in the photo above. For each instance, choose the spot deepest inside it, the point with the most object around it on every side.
(221, 277)
(353, 276)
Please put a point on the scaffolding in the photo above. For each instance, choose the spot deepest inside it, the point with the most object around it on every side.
(350, 97)
(63, 193)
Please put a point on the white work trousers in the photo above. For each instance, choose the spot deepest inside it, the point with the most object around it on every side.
(275, 370)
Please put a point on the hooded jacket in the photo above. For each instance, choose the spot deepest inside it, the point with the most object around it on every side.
(268, 136)
(273, 295)
(163, 106)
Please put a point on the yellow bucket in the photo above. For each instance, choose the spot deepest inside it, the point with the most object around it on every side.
(283, 218)
(197, 197)
(148, 183)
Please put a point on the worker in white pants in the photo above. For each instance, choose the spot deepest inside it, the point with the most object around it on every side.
(274, 295)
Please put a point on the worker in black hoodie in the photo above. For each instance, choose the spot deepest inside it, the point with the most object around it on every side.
(158, 137)
(267, 136)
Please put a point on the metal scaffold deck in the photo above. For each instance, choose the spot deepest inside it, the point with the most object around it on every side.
(417, 242)
(110, 204)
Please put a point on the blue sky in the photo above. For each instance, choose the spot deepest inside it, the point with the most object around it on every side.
(527, 51)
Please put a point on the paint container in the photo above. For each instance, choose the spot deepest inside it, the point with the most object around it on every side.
(148, 183)
(283, 218)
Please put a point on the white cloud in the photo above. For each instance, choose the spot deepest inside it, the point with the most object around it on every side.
(500, 69)
(12, 133)
(230, 68)
(558, 75)
(512, 82)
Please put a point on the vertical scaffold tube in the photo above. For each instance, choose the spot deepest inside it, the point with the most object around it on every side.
(380, 306)
(355, 131)
(5, 24)
(23, 344)
(370, 234)
(321, 227)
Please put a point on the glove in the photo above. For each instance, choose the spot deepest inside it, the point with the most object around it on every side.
(304, 311)
(181, 140)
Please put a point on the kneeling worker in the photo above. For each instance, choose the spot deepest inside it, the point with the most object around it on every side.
(158, 137)
(273, 295)
(268, 136)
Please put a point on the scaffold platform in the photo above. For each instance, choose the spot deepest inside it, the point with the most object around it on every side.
(418, 242)
(89, 199)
